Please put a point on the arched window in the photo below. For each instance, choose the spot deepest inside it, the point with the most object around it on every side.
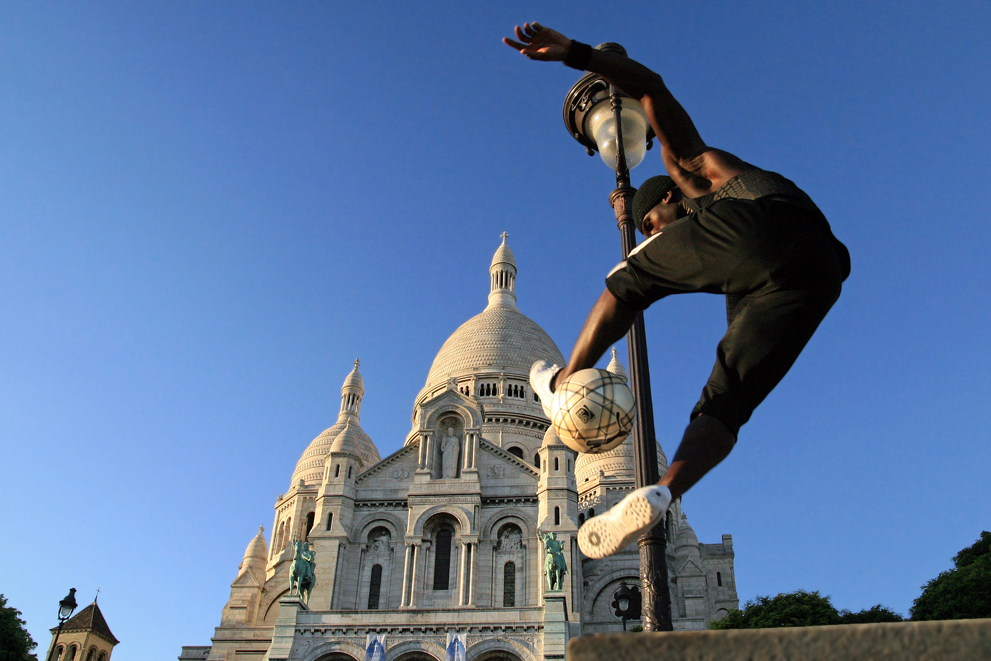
(330, 520)
(517, 452)
(309, 526)
(591, 512)
(374, 588)
(581, 520)
(442, 559)
(102, 657)
(71, 654)
(557, 465)
(58, 653)
(509, 585)
(92, 654)
(557, 516)
(719, 579)
(349, 471)
(536, 460)
(337, 470)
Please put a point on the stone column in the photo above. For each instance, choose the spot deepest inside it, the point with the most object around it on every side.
(465, 573)
(408, 575)
(339, 580)
(424, 456)
(417, 560)
(473, 547)
(362, 557)
(470, 447)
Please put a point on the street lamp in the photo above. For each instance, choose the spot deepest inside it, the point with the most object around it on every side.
(626, 602)
(65, 608)
(606, 120)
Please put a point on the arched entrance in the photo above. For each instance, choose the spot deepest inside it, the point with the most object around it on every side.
(416, 655)
(497, 655)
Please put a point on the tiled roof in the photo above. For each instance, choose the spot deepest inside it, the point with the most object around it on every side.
(89, 619)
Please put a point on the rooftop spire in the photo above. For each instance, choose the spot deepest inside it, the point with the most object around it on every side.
(502, 272)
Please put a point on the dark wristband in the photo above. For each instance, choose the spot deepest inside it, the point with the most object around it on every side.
(578, 55)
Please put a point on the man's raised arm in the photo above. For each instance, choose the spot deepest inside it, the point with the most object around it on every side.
(695, 167)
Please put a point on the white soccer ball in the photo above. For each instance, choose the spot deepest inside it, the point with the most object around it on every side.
(593, 410)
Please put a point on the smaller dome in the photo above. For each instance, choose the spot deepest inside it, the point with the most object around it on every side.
(503, 255)
(257, 548)
(615, 366)
(349, 440)
(354, 379)
(255, 555)
(686, 541)
(551, 438)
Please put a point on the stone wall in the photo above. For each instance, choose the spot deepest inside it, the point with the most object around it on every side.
(947, 640)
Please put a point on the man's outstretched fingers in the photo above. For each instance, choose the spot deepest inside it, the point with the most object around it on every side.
(523, 33)
(513, 44)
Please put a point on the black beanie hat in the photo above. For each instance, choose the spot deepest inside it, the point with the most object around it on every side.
(649, 195)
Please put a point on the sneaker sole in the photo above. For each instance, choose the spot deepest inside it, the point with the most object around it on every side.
(604, 535)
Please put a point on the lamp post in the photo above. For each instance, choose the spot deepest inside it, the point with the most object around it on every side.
(604, 119)
(65, 608)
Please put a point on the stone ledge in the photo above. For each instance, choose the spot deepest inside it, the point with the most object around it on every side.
(944, 640)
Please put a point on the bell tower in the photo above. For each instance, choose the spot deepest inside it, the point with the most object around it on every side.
(85, 637)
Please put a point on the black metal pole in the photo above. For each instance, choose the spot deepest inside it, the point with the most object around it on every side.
(55, 642)
(656, 604)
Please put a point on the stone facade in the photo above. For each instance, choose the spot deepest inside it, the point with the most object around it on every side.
(443, 537)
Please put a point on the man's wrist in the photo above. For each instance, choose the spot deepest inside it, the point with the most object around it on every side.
(578, 55)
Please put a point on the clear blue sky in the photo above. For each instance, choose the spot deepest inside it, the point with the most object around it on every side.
(208, 210)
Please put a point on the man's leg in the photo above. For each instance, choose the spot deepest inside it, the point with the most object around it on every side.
(705, 444)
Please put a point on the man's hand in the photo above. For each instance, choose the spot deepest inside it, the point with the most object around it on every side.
(540, 43)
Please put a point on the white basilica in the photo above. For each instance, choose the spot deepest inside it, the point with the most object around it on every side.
(443, 537)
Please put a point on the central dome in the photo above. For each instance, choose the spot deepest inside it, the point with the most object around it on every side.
(499, 340)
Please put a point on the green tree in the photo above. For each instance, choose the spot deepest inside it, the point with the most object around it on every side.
(962, 592)
(788, 609)
(15, 641)
(876, 613)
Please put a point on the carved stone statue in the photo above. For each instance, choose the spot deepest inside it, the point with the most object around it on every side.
(555, 566)
(379, 546)
(510, 540)
(302, 571)
(450, 447)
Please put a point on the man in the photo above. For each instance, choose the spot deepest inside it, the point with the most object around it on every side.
(716, 225)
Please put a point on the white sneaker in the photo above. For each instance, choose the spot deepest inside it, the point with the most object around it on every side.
(607, 533)
(541, 373)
